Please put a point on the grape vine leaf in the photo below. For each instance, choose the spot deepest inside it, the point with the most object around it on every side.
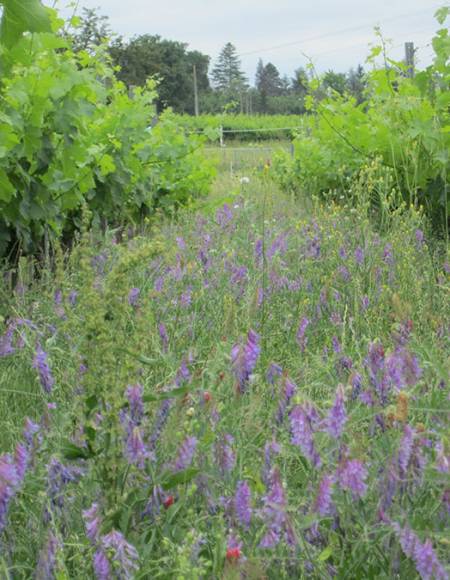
(20, 16)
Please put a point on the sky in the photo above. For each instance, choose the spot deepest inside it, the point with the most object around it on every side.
(335, 34)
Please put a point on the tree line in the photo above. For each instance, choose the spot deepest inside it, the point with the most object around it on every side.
(222, 85)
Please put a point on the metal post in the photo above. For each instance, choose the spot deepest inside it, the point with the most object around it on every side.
(409, 58)
(195, 92)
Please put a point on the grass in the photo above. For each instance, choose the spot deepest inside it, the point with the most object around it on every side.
(264, 263)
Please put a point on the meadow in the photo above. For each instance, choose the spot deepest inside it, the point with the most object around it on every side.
(257, 389)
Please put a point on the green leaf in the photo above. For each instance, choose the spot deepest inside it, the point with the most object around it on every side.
(441, 14)
(71, 451)
(20, 16)
(7, 189)
(325, 554)
(170, 480)
(180, 392)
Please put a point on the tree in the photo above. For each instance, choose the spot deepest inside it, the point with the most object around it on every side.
(335, 81)
(356, 83)
(300, 82)
(167, 60)
(227, 75)
(92, 30)
(268, 82)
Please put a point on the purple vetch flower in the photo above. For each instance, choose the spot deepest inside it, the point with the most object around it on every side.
(225, 455)
(344, 273)
(133, 297)
(359, 255)
(278, 245)
(159, 284)
(29, 431)
(405, 449)
(442, 460)
(376, 364)
(21, 460)
(244, 359)
(259, 250)
(41, 365)
(185, 454)
(242, 503)
(73, 295)
(403, 368)
(6, 341)
(186, 297)
(271, 449)
(160, 420)
(420, 238)
(302, 434)
(273, 371)
(59, 476)
(388, 256)
(365, 302)
(224, 215)
(313, 248)
(102, 567)
(336, 344)
(342, 253)
(289, 389)
(134, 395)
(323, 503)
(155, 502)
(274, 513)
(181, 243)
(135, 450)
(427, 563)
(337, 417)
(47, 559)
(121, 554)
(352, 476)
(92, 522)
(183, 373)
(163, 336)
(356, 382)
(302, 340)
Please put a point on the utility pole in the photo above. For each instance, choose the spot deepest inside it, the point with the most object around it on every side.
(409, 59)
(195, 92)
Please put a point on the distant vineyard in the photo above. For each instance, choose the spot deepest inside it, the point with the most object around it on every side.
(243, 127)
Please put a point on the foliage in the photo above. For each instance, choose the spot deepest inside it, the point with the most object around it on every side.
(166, 443)
(71, 135)
(403, 121)
(90, 30)
(227, 75)
(259, 127)
(169, 62)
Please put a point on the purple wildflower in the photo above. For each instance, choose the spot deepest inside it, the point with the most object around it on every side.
(133, 297)
(163, 336)
(160, 421)
(242, 500)
(359, 255)
(337, 417)
(185, 454)
(134, 395)
(301, 338)
(405, 449)
(427, 563)
(336, 344)
(365, 302)
(244, 358)
(259, 250)
(420, 238)
(122, 554)
(181, 244)
(344, 273)
(274, 511)
(289, 389)
(271, 449)
(302, 434)
(47, 559)
(403, 368)
(40, 363)
(6, 344)
(273, 371)
(323, 503)
(136, 450)
(59, 476)
(73, 295)
(352, 476)
(102, 567)
(225, 455)
(92, 522)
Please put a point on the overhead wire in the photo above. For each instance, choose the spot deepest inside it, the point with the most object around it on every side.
(335, 33)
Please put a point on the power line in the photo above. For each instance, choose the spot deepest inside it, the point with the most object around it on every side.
(334, 33)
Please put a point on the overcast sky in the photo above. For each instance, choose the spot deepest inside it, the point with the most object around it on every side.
(335, 33)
